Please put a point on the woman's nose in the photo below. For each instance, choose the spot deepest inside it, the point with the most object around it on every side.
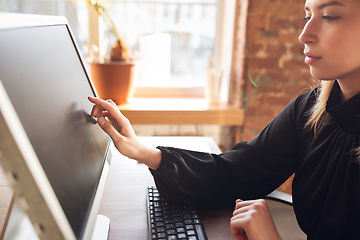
(308, 35)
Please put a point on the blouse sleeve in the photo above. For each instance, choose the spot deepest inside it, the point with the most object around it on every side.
(249, 170)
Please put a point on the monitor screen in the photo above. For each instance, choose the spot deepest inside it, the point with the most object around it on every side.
(47, 84)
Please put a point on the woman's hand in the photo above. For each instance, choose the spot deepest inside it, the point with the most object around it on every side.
(252, 220)
(122, 133)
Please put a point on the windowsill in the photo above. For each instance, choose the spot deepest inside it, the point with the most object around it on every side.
(169, 92)
(180, 111)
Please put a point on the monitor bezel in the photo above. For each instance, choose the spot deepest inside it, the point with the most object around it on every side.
(20, 147)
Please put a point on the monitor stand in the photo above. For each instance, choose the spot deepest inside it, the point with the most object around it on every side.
(18, 226)
(101, 229)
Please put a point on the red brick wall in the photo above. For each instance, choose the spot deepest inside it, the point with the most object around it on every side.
(267, 50)
(272, 58)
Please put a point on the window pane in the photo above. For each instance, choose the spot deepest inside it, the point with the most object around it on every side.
(74, 11)
(173, 37)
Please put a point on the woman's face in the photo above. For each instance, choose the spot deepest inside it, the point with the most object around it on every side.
(331, 37)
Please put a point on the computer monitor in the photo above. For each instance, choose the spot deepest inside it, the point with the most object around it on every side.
(52, 151)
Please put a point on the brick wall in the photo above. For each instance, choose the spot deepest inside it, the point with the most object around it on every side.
(267, 51)
(272, 57)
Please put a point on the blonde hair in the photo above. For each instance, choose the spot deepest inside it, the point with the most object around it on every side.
(318, 114)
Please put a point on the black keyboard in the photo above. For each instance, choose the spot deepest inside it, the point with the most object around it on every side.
(167, 221)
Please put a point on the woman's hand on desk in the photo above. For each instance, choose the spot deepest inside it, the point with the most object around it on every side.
(252, 220)
(122, 133)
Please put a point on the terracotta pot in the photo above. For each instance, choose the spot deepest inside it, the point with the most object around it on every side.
(114, 80)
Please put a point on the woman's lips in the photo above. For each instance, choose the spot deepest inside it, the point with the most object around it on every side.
(310, 59)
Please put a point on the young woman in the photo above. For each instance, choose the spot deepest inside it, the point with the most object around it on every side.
(317, 137)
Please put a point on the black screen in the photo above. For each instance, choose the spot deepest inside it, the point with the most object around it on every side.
(48, 87)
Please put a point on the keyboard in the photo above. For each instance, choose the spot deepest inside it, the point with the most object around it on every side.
(168, 221)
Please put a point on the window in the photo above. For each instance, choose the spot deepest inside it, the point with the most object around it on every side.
(174, 38)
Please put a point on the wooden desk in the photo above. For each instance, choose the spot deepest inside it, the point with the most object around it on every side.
(124, 195)
(181, 111)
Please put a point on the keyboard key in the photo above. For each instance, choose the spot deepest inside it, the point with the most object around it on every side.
(159, 219)
(169, 221)
(169, 226)
(161, 235)
(179, 224)
(182, 236)
(158, 214)
(188, 221)
(171, 232)
(189, 227)
(172, 237)
(160, 229)
(160, 224)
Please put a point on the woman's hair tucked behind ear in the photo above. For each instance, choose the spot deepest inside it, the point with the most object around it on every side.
(318, 113)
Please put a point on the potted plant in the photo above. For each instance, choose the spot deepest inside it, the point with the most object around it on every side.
(113, 77)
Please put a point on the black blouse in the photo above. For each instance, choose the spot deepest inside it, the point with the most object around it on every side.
(326, 187)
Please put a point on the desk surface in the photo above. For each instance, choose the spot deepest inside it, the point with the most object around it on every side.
(124, 195)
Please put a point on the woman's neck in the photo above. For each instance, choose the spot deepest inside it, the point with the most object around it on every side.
(348, 89)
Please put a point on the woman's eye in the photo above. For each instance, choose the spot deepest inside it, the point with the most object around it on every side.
(329, 18)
